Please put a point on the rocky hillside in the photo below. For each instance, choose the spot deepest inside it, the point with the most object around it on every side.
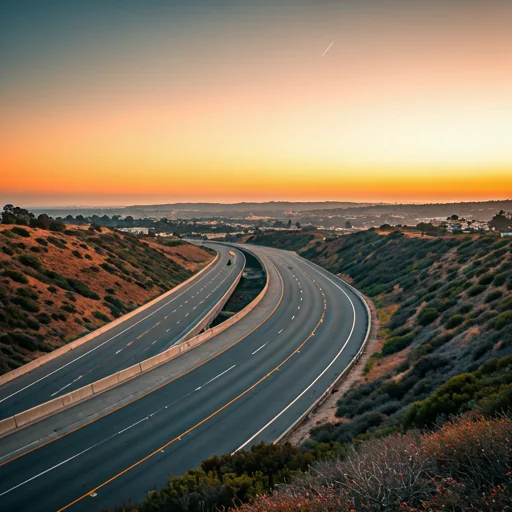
(58, 285)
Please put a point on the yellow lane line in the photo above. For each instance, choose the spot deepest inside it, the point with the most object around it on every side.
(179, 437)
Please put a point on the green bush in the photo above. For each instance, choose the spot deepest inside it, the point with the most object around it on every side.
(16, 276)
(30, 261)
(7, 250)
(476, 290)
(501, 320)
(492, 296)
(454, 321)
(397, 344)
(21, 232)
(486, 279)
(427, 316)
(26, 303)
(101, 316)
(82, 289)
(448, 399)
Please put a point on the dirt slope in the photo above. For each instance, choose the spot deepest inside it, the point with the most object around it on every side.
(57, 286)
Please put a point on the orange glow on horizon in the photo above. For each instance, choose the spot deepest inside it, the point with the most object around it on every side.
(402, 108)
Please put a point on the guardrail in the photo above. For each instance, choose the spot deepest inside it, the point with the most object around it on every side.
(36, 363)
(59, 404)
(354, 360)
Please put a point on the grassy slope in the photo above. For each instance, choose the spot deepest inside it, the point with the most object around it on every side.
(55, 287)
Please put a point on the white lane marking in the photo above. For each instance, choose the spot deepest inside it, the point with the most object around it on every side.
(131, 426)
(293, 317)
(298, 307)
(257, 350)
(201, 301)
(174, 311)
(120, 350)
(186, 302)
(214, 378)
(194, 307)
(168, 329)
(66, 386)
(178, 322)
(187, 315)
(101, 344)
(280, 331)
(301, 298)
(319, 376)
(181, 305)
(154, 342)
(165, 317)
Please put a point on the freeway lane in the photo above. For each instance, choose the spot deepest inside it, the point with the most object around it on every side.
(249, 393)
(144, 335)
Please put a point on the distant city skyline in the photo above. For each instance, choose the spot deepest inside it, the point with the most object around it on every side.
(128, 103)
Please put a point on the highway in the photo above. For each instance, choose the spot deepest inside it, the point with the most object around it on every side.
(146, 334)
(307, 330)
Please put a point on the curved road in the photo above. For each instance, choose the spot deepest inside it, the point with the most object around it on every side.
(291, 348)
(140, 337)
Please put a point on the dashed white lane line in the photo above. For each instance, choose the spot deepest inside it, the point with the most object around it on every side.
(293, 317)
(66, 386)
(216, 377)
(168, 329)
(165, 317)
(258, 349)
(280, 331)
(178, 322)
(174, 311)
(298, 307)
(120, 350)
(194, 307)
(187, 315)
(154, 342)
(301, 298)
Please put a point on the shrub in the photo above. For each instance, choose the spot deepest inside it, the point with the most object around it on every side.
(454, 321)
(26, 303)
(476, 290)
(30, 261)
(82, 289)
(42, 242)
(397, 344)
(486, 279)
(448, 399)
(7, 250)
(16, 276)
(20, 232)
(501, 320)
(101, 316)
(492, 296)
(427, 316)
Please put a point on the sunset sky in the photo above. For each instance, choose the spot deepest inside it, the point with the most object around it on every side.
(123, 102)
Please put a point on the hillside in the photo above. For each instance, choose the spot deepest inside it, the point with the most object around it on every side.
(56, 286)
(445, 309)
(444, 348)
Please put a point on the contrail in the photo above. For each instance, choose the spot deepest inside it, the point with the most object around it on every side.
(328, 48)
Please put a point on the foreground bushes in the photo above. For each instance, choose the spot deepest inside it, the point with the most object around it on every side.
(466, 465)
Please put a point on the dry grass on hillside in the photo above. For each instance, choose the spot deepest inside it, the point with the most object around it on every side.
(57, 286)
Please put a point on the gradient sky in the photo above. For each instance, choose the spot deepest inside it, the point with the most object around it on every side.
(121, 102)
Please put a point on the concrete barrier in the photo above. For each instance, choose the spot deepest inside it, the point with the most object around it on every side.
(106, 383)
(38, 412)
(47, 409)
(36, 363)
(7, 426)
(130, 372)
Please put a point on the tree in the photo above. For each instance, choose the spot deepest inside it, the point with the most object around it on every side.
(289, 223)
(348, 224)
(501, 222)
(16, 215)
(297, 225)
(453, 217)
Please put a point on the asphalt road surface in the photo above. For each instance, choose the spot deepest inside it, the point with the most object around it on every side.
(144, 335)
(249, 393)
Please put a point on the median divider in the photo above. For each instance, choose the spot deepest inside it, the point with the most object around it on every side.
(186, 344)
(36, 363)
